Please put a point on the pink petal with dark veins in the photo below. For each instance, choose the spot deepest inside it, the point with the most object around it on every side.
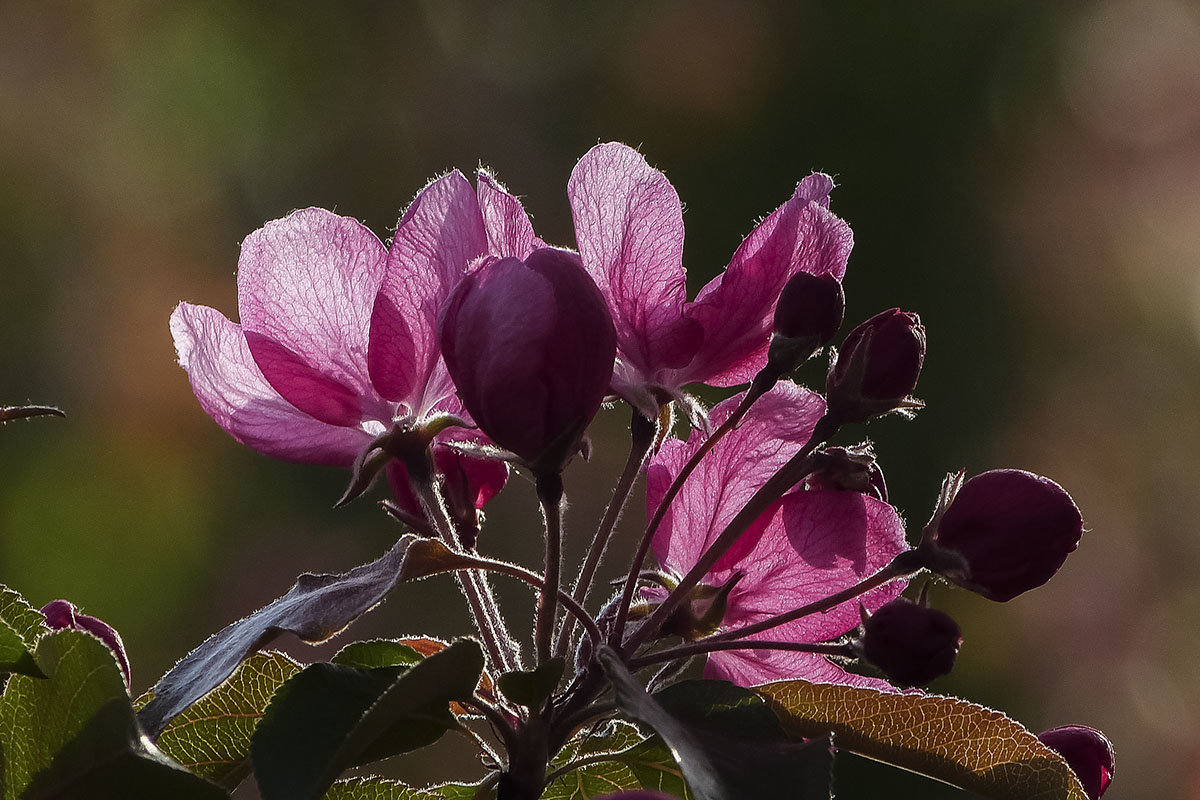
(629, 227)
(437, 238)
(735, 308)
(307, 283)
(232, 390)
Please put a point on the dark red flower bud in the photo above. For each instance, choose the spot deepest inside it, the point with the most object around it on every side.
(61, 614)
(848, 469)
(530, 345)
(910, 643)
(1088, 752)
(807, 317)
(1003, 533)
(877, 367)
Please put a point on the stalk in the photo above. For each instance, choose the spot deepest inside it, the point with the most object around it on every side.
(757, 389)
(642, 433)
(500, 647)
(550, 494)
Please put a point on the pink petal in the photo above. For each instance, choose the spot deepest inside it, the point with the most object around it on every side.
(306, 283)
(629, 227)
(437, 238)
(816, 544)
(232, 390)
(509, 231)
(304, 387)
(776, 428)
(735, 308)
(756, 667)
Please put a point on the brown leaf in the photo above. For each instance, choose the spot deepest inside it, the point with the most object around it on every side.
(316, 608)
(955, 741)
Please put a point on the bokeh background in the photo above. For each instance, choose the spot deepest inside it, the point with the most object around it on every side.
(1025, 175)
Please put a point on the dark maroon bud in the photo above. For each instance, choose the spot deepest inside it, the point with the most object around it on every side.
(1088, 752)
(877, 368)
(530, 345)
(910, 643)
(807, 317)
(848, 469)
(61, 614)
(1003, 533)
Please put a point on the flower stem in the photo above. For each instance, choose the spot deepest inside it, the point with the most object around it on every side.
(577, 611)
(550, 494)
(642, 433)
(502, 651)
(787, 477)
(712, 644)
(757, 389)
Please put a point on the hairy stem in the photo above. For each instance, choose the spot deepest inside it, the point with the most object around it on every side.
(500, 647)
(642, 433)
(550, 494)
(530, 577)
(757, 389)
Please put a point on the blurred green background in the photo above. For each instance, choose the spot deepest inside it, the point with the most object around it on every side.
(1025, 175)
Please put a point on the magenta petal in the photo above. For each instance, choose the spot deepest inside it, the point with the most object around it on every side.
(774, 430)
(756, 667)
(304, 387)
(509, 231)
(735, 309)
(232, 390)
(437, 238)
(307, 282)
(629, 227)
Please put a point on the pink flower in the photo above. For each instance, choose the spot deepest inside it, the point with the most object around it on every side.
(629, 228)
(338, 334)
(806, 547)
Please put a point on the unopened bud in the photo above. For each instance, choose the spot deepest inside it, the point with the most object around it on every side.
(1002, 533)
(1088, 752)
(877, 368)
(910, 643)
(807, 317)
(530, 345)
(61, 615)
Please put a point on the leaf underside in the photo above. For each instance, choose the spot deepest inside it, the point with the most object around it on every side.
(952, 740)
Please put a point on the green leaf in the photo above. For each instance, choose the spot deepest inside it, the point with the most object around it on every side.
(14, 657)
(74, 735)
(381, 789)
(212, 736)
(531, 688)
(331, 717)
(23, 618)
(377, 653)
(720, 736)
(646, 765)
(316, 608)
(961, 743)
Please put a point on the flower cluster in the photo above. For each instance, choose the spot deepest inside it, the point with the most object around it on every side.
(468, 346)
